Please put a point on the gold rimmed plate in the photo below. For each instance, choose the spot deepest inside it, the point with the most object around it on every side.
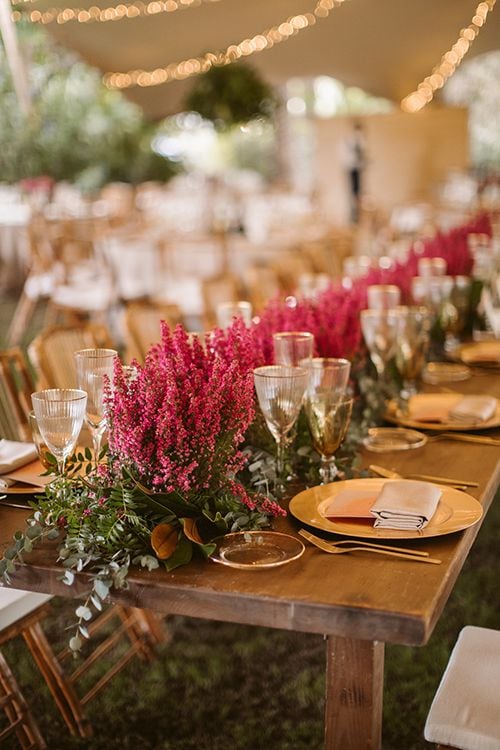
(427, 411)
(22, 489)
(256, 550)
(456, 511)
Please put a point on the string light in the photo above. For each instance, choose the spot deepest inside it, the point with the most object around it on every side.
(196, 65)
(449, 62)
(111, 13)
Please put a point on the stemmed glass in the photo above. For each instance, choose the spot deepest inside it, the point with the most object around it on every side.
(381, 330)
(412, 347)
(93, 366)
(280, 392)
(328, 410)
(59, 414)
(293, 348)
(227, 311)
(383, 296)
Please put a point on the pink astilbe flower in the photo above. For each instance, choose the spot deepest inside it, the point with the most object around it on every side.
(179, 423)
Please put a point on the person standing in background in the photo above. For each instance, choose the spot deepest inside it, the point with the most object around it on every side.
(354, 158)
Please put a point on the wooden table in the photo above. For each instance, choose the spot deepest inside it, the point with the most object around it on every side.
(358, 601)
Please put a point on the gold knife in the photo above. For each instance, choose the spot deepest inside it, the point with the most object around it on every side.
(390, 474)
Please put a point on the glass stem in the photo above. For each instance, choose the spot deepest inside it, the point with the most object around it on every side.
(327, 470)
(96, 443)
(280, 457)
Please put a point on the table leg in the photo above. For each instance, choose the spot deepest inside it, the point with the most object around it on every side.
(354, 694)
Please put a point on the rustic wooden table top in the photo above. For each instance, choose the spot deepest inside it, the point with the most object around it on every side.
(359, 595)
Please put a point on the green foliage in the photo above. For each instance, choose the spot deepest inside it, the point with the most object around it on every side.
(231, 95)
(78, 129)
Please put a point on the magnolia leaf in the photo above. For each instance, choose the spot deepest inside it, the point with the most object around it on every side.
(53, 534)
(182, 555)
(88, 454)
(191, 530)
(164, 540)
(207, 549)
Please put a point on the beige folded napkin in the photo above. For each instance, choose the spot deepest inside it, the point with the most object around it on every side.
(482, 352)
(28, 474)
(405, 505)
(350, 503)
(14, 454)
(474, 408)
(448, 407)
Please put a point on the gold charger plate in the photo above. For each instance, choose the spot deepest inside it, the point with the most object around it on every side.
(438, 400)
(25, 489)
(256, 550)
(456, 511)
(478, 353)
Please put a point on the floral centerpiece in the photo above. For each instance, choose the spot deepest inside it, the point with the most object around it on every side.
(169, 486)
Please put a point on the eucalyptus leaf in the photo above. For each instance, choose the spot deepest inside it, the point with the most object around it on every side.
(75, 643)
(83, 612)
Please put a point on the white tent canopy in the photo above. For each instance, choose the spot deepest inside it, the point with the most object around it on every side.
(384, 46)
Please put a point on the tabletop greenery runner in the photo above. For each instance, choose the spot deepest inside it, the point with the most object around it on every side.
(189, 456)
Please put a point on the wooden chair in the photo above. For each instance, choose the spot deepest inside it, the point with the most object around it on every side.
(16, 387)
(18, 714)
(223, 288)
(466, 707)
(262, 284)
(142, 325)
(51, 352)
(24, 613)
(20, 612)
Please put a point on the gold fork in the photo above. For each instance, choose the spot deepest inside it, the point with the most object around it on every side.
(333, 549)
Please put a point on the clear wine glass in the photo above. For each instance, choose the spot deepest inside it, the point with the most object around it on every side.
(412, 347)
(93, 367)
(293, 348)
(280, 392)
(381, 329)
(383, 296)
(59, 414)
(227, 311)
(328, 409)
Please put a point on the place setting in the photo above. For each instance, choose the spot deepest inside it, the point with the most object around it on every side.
(21, 471)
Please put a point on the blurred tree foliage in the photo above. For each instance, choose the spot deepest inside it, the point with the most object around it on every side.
(78, 130)
(231, 95)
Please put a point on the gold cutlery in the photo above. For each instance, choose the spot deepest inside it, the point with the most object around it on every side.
(391, 474)
(464, 438)
(334, 548)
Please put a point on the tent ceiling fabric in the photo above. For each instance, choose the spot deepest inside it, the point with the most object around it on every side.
(384, 46)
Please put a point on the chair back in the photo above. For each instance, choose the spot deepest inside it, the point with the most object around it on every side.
(51, 352)
(223, 288)
(142, 325)
(16, 387)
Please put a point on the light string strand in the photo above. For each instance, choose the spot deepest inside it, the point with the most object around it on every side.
(196, 65)
(449, 62)
(95, 14)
